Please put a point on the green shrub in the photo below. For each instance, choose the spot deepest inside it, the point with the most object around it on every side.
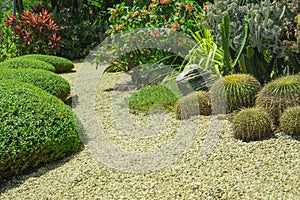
(48, 81)
(279, 94)
(152, 95)
(26, 63)
(35, 128)
(290, 121)
(252, 124)
(195, 103)
(234, 91)
(61, 64)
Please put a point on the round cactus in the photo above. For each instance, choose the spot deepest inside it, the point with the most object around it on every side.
(279, 94)
(195, 103)
(252, 124)
(290, 121)
(234, 92)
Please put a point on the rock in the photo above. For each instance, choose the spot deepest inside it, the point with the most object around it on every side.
(194, 78)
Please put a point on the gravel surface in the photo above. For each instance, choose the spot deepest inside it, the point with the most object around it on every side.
(206, 166)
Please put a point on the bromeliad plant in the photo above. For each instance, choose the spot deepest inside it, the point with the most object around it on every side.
(36, 32)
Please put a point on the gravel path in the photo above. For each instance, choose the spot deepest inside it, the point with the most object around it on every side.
(209, 168)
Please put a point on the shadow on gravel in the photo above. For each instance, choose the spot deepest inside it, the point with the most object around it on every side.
(15, 181)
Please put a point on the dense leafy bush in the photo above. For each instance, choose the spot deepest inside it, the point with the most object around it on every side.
(173, 15)
(279, 94)
(48, 81)
(61, 64)
(252, 124)
(26, 63)
(234, 92)
(196, 103)
(37, 32)
(35, 128)
(152, 95)
(290, 121)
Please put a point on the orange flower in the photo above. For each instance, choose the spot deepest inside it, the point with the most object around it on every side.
(175, 26)
(155, 33)
(189, 8)
(165, 1)
(145, 12)
(205, 7)
(119, 27)
(136, 13)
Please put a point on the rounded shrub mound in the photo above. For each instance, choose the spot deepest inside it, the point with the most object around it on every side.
(279, 94)
(252, 124)
(152, 95)
(61, 64)
(48, 81)
(234, 92)
(290, 121)
(19, 62)
(35, 128)
(195, 103)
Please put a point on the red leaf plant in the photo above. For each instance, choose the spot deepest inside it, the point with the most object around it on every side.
(36, 31)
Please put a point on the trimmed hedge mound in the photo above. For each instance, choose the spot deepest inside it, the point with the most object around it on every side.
(19, 62)
(48, 81)
(61, 64)
(35, 128)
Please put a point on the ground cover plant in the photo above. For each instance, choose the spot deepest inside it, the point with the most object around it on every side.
(35, 128)
(48, 81)
(152, 95)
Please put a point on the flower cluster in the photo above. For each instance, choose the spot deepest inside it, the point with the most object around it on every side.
(174, 14)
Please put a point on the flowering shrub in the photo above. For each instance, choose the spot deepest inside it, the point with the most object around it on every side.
(176, 15)
(36, 32)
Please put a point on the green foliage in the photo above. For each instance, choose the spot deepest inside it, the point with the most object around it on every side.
(205, 53)
(195, 103)
(8, 48)
(290, 121)
(48, 81)
(271, 31)
(174, 15)
(252, 124)
(61, 64)
(77, 32)
(153, 95)
(35, 128)
(26, 63)
(279, 94)
(234, 92)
